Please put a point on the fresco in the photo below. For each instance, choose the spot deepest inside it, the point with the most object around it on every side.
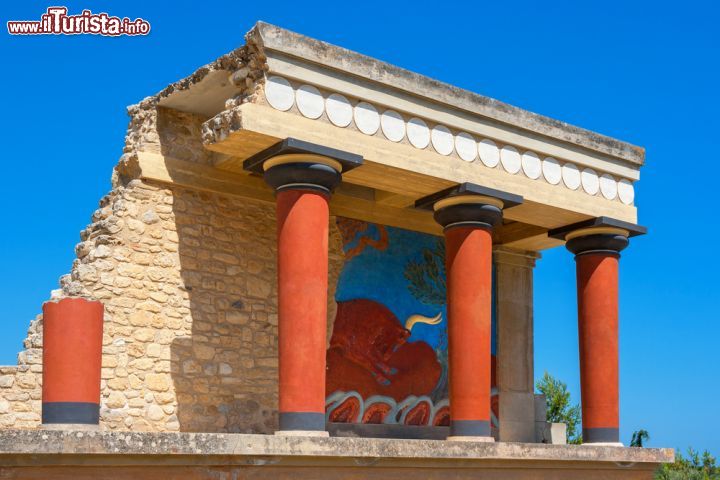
(387, 359)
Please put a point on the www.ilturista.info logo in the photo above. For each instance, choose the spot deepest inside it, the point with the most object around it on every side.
(57, 22)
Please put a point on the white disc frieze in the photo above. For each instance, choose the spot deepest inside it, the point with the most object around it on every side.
(465, 146)
(626, 191)
(590, 181)
(510, 159)
(366, 118)
(571, 176)
(442, 139)
(608, 186)
(418, 133)
(551, 170)
(310, 101)
(393, 125)
(531, 165)
(489, 153)
(339, 110)
(279, 93)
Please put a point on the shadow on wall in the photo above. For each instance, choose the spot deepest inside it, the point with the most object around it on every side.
(225, 372)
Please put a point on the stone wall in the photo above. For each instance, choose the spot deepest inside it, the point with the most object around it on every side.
(20, 385)
(188, 283)
(188, 280)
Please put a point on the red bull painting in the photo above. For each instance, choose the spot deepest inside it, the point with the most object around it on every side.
(387, 359)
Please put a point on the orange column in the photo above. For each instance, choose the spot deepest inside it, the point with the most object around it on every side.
(597, 254)
(597, 283)
(72, 357)
(303, 184)
(468, 219)
(469, 286)
(303, 218)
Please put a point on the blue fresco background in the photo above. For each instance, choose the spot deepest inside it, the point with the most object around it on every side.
(378, 275)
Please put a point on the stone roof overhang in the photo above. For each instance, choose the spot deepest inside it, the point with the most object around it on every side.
(287, 50)
(564, 173)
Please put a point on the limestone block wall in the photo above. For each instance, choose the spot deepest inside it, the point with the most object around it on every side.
(20, 385)
(188, 283)
(188, 280)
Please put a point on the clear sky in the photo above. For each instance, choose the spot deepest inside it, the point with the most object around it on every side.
(645, 72)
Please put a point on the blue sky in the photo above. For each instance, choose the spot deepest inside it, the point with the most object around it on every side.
(646, 72)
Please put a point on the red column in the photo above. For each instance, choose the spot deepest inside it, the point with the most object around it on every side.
(303, 219)
(597, 244)
(597, 253)
(597, 292)
(469, 286)
(72, 357)
(303, 175)
(468, 214)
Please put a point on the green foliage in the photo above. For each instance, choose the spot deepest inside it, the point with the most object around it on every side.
(638, 437)
(559, 409)
(695, 466)
(426, 278)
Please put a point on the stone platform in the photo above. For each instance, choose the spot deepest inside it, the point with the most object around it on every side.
(44, 454)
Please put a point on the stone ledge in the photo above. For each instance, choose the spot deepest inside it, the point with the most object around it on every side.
(33, 447)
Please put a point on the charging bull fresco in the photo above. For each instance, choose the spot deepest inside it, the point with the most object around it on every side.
(387, 358)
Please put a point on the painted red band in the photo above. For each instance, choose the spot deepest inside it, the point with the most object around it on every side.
(597, 281)
(469, 304)
(72, 350)
(303, 223)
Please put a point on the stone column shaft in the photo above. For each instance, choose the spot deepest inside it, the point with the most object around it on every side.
(514, 354)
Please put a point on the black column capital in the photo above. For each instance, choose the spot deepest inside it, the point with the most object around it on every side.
(611, 243)
(300, 172)
(469, 204)
(296, 164)
(597, 235)
(479, 212)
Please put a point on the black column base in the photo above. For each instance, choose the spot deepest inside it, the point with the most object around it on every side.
(470, 428)
(601, 435)
(306, 421)
(70, 412)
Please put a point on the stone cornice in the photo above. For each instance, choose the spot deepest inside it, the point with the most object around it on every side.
(273, 38)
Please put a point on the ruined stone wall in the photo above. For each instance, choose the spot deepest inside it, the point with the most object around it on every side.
(188, 280)
(190, 337)
(20, 385)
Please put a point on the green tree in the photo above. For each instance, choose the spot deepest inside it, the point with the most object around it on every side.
(559, 408)
(426, 282)
(639, 437)
(426, 277)
(696, 466)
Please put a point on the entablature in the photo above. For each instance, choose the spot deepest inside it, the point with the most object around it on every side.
(417, 135)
